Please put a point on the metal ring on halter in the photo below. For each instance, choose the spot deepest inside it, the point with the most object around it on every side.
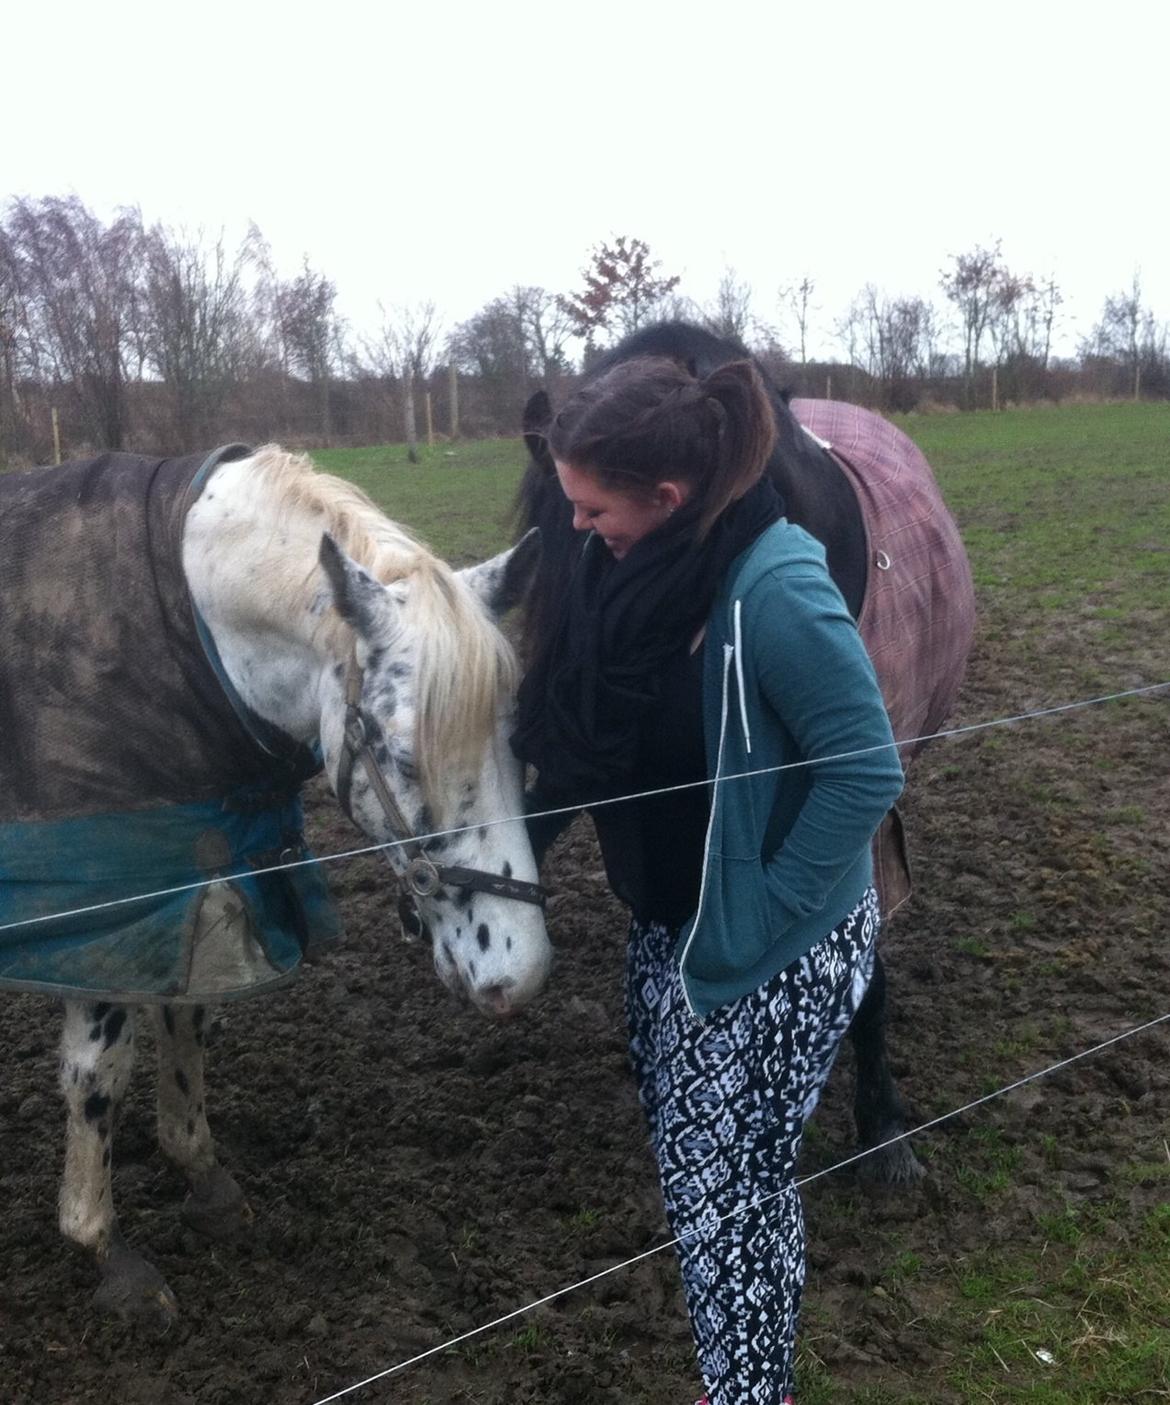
(423, 877)
(882, 561)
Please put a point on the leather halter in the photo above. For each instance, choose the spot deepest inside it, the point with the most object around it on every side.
(422, 877)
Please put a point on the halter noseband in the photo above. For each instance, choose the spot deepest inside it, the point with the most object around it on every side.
(421, 877)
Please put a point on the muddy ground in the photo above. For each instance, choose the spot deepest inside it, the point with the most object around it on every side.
(417, 1171)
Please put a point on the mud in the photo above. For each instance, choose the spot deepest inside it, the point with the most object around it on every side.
(416, 1171)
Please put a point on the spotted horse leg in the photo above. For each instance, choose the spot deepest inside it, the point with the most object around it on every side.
(97, 1056)
(878, 1107)
(216, 1205)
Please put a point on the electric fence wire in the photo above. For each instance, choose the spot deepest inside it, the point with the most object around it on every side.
(386, 846)
(744, 1210)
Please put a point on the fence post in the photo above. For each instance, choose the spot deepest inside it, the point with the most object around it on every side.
(995, 387)
(430, 423)
(56, 437)
(453, 397)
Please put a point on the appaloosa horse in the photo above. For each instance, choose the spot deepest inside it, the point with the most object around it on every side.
(183, 642)
(863, 489)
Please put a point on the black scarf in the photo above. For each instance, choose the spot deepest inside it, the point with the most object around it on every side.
(583, 703)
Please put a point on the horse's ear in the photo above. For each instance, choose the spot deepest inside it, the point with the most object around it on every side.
(360, 600)
(538, 415)
(501, 581)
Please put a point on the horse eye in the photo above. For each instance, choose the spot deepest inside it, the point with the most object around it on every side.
(405, 766)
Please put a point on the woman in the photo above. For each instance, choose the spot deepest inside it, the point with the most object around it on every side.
(703, 639)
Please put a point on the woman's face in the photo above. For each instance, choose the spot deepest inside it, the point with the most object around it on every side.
(619, 519)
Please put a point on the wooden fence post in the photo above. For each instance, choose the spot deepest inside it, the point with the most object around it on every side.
(430, 423)
(56, 437)
(453, 397)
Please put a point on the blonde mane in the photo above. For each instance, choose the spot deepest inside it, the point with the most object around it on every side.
(465, 665)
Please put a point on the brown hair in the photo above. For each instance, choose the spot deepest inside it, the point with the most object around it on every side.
(650, 420)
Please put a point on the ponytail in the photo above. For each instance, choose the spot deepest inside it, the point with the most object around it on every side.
(744, 437)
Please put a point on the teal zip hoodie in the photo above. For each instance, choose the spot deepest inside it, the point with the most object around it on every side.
(786, 680)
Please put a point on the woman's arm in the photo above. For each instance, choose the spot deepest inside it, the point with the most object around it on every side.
(814, 672)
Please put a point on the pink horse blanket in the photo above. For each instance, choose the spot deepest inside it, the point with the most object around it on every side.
(918, 616)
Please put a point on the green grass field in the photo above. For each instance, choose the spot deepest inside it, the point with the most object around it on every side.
(1066, 517)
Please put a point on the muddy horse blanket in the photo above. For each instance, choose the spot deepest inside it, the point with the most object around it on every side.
(128, 765)
(918, 617)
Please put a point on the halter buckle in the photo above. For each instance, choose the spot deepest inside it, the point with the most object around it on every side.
(423, 877)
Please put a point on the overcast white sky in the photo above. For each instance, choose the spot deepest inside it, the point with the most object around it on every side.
(450, 150)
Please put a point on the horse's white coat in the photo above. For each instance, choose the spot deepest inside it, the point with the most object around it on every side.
(254, 575)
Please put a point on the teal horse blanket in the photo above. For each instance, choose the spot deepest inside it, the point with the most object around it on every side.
(128, 765)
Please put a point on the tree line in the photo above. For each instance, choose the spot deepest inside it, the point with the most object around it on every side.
(122, 334)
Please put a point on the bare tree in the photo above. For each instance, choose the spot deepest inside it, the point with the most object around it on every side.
(199, 334)
(79, 282)
(896, 339)
(405, 351)
(971, 285)
(546, 328)
(730, 314)
(1128, 336)
(798, 300)
(311, 334)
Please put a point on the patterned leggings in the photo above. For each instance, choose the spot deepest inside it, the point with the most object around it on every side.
(726, 1101)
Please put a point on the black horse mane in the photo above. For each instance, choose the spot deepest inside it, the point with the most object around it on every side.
(815, 491)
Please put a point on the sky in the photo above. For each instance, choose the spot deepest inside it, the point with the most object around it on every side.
(446, 151)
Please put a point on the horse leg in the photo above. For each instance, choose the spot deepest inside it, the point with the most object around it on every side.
(97, 1056)
(216, 1205)
(878, 1109)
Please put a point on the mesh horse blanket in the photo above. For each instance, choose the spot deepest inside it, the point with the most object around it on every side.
(918, 617)
(127, 764)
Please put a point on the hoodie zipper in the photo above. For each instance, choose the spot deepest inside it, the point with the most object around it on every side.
(743, 719)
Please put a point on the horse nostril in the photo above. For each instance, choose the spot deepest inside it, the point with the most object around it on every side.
(496, 999)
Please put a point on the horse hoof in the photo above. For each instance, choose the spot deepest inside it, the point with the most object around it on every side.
(894, 1165)
(134, 1290)
(216, 1206)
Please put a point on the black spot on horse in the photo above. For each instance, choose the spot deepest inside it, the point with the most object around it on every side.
(483, 936)
(181, 1080)
(98, 1012)
(169, 1020)
(114, 1027)
(507, 869)
(106, 1157)
(96, 1105)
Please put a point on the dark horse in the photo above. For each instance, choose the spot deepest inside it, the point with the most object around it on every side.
(863, 489)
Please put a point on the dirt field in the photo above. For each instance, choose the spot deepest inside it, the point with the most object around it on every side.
(417, 1171)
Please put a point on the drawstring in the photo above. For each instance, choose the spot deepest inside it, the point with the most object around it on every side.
(743, 718)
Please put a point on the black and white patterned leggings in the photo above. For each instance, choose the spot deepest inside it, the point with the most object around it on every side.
(726, 1101)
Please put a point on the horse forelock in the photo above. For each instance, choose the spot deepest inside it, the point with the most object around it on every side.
(464, 665)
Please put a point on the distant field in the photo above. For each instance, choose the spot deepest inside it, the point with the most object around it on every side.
(1061, 508)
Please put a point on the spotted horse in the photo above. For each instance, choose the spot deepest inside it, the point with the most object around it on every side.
(183, 642)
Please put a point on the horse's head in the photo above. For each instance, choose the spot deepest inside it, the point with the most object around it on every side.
(414, 730)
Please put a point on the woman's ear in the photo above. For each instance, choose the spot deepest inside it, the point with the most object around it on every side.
(671, 495)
